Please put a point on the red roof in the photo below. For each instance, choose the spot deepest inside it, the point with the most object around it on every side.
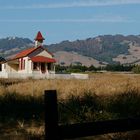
(39, 36)
(43, 59)
(24, 53)
(27, 52)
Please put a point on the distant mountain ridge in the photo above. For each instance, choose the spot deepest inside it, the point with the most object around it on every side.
(12, 45)
(13, 42)
(105, 48)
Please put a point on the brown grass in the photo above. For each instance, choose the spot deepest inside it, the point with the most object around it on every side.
(101, 84)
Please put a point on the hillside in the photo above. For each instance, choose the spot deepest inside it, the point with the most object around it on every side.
(97, 50)
(68, 58)
(102, 48)
(12, 45)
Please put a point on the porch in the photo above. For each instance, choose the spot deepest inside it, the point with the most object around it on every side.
(43, 65)
(42, 68)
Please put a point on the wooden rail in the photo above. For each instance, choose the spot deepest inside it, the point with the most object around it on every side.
(54, 131)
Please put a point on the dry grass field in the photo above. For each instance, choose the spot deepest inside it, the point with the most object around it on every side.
(103, 96)
(100, 84)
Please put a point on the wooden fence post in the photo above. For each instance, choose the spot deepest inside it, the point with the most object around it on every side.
(51, 115)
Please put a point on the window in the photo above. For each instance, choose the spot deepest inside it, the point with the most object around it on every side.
(0, 67)
(21, 64)
(35, 66)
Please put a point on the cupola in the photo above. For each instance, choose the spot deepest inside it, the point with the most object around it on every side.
(39, 39)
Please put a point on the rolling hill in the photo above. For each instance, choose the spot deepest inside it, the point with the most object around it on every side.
(92, 51)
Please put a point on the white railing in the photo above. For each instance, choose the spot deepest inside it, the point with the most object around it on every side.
(72, 76)
(80, 76)
(44, 76)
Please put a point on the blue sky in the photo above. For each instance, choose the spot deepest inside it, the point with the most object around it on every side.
(60, 20)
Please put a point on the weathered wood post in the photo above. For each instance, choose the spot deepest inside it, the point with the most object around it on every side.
(51, 115)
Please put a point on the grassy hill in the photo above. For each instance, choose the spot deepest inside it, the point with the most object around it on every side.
(106, 48)
(102, 48)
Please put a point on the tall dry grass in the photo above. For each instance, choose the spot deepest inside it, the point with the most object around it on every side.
(100, 84)
(103, 96)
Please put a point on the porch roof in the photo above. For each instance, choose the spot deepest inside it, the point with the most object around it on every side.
(43, 59)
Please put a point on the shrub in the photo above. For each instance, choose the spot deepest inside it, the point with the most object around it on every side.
(125, 104)
(136, 69)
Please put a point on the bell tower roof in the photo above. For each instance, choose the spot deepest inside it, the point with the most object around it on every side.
(39, 37)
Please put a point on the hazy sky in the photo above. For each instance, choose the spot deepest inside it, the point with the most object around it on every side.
(68, 19)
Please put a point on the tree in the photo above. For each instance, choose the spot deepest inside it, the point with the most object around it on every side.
(136, 69)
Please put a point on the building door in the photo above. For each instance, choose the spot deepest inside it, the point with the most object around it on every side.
(43, 67)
